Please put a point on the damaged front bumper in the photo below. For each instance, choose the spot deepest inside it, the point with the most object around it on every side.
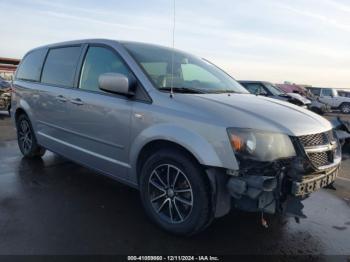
(280, 186)
(271, 194)
(313, 183)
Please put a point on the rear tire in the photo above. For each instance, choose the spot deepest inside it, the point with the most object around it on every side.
(27, 142)
(345, 108)
(175, 193)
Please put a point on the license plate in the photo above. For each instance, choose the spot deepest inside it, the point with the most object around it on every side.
(311, 185)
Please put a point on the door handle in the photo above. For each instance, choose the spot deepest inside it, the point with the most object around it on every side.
(77, 101)
(61, 98)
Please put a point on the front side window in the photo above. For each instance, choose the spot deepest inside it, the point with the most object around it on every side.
(255, 89)
(327, 92)
(100, 60)
(60, 66)
(168, 68)
(31, 65)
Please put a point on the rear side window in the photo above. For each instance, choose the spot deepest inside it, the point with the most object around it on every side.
(31, 65)
(60, 66)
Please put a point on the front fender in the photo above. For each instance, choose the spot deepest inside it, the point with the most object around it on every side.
(200, 148)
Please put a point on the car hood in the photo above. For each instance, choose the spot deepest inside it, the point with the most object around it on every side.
(256, 112)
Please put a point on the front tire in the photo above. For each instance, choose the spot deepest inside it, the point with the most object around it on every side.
(175, 193)
(26, 138)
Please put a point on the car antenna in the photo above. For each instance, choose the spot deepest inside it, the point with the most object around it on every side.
(172, 53)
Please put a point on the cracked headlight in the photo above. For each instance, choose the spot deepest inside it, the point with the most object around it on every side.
(260, 145)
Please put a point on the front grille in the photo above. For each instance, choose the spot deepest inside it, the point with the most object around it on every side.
(318, 159)
(321, 159)
(315, 139)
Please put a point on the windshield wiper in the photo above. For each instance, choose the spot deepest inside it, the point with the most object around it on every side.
(183, 90)
(223, 91)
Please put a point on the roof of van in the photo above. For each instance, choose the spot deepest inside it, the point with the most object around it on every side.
(96, 40)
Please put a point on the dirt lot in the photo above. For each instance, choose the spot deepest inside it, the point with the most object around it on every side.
(53, 206)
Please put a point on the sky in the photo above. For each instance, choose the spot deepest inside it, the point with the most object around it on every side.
(306, 42)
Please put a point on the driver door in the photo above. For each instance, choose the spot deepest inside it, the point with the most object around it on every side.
(327, 96)
(99, 121)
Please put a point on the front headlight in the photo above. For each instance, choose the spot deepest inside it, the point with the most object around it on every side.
(260, 145)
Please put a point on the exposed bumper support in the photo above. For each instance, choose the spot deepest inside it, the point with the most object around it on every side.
(221, 199)
(254, 193)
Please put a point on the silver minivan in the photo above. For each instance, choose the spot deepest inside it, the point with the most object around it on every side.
(192, 140)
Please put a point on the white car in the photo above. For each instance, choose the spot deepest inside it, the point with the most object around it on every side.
(331, 97)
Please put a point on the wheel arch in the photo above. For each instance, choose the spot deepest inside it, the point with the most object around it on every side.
(156, 145)
(22, 107)
(344, 103)
(19, 111)
(163, 135)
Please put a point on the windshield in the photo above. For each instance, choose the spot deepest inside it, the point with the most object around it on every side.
(274, 89)
(167, 68)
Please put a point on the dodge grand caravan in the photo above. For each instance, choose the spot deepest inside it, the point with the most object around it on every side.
(192, 140)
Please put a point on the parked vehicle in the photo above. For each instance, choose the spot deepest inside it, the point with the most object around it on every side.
(318, 106)
(342, 128)
(5, 95)
(187, 135)
(4, 84)
(331, 97)
(270, 90)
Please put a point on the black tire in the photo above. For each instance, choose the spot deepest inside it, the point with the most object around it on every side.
(345, 108)
(27, 142)
(184, 219)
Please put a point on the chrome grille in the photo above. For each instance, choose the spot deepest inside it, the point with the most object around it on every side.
(315, 139)
(309, 142)
(321, 159)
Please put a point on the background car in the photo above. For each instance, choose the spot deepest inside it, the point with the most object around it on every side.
(331, 97)
(5, 95)
(4, 84)
(270, 90)
(319, 107)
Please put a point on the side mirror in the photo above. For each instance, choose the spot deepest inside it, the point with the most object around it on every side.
(116, 83)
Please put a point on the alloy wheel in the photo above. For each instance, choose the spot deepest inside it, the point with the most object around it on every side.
(170, 193)
(25, 136)
(346, 109)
